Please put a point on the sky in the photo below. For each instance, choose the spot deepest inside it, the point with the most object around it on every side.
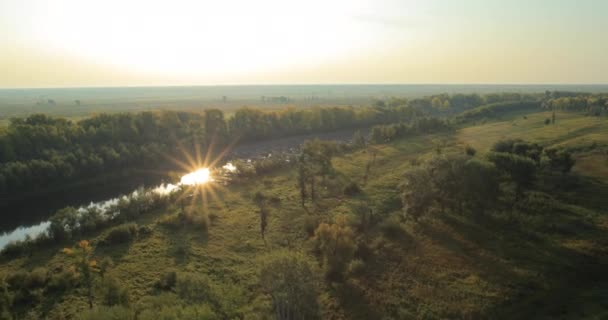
(81, 43)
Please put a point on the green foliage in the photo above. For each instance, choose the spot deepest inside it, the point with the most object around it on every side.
(122, 234)
(167, 281)
(520, 169)
(519, 147)
(113, 292)
(352, 189)
(225, 299)
(356, 267)
(560, 160)
(387, 133)
(449, 181)
(288, 279)
(336, 244)
(469, 150)
(6, 301)
(63, 280)
(496, 109)
(192, 216)
(108, 313)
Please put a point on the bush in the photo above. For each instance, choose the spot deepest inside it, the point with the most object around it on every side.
(63, 280)
(104, 313)
(289, 280)
(470, 151)
(114, 293)
(191, 216)
(197, 216)
(15, 249)
(167, 281)
(194, 287)
(352, 189)
(145, 230)
(310, 224)
(391, 227)
(356, 267)
(122, 234)
(36, 278)
(337, 246)
(547, 121)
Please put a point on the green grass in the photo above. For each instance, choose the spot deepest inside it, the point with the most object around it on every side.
(503, 266)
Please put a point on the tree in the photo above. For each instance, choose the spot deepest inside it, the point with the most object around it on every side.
(6, 301)
(561, 160)
(336, 244)
(520, 169)
(289, 281)
(358, 139)
(418, 192)
(480, 184)
(85, 265)
(302, 178)
(260, 200)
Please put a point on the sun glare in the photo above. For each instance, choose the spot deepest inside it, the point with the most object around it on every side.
(200, 176)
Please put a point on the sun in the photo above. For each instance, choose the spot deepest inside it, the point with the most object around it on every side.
(200, 176)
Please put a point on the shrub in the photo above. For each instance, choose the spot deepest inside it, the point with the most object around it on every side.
(104, 313)
(356, 267)
(352, 189)
(6, 301)
(191, 216)
(114, 293)
(310, 224)
(178, 312)
(197, 216)
(547, 121)
(36, 278)
(16, 279)
(145, 230)
(62, 280)
(15, 249)
(194, 287)
(288, 279)
(337, 246)
(469, 150)
(122, 234)
(391, 227)
(167, 281)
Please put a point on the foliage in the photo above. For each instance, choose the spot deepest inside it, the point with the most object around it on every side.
(493, 110)
(352, 189)
(336, 244)
(288, 279)
(122, 234)
(560, 160)
(520, 169)
(449, 181)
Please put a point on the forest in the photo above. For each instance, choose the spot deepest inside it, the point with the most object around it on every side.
(453, 206)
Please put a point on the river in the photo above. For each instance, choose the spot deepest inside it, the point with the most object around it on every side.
(29, 217)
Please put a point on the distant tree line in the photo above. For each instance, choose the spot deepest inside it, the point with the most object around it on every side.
(591, 104)
(456, 103)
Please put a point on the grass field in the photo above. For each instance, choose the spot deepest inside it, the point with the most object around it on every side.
(548, 265)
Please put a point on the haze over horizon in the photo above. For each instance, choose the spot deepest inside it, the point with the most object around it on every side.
(67, 43)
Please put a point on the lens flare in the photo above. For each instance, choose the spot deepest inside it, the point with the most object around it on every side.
(200, 176)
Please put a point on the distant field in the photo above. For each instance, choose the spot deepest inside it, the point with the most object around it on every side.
(79, 102)
(570, 130)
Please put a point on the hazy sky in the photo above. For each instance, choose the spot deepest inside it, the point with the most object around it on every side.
(56, 43)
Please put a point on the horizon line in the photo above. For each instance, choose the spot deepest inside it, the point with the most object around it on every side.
(309, 84)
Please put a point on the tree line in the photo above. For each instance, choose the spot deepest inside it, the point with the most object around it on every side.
(41, 151)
